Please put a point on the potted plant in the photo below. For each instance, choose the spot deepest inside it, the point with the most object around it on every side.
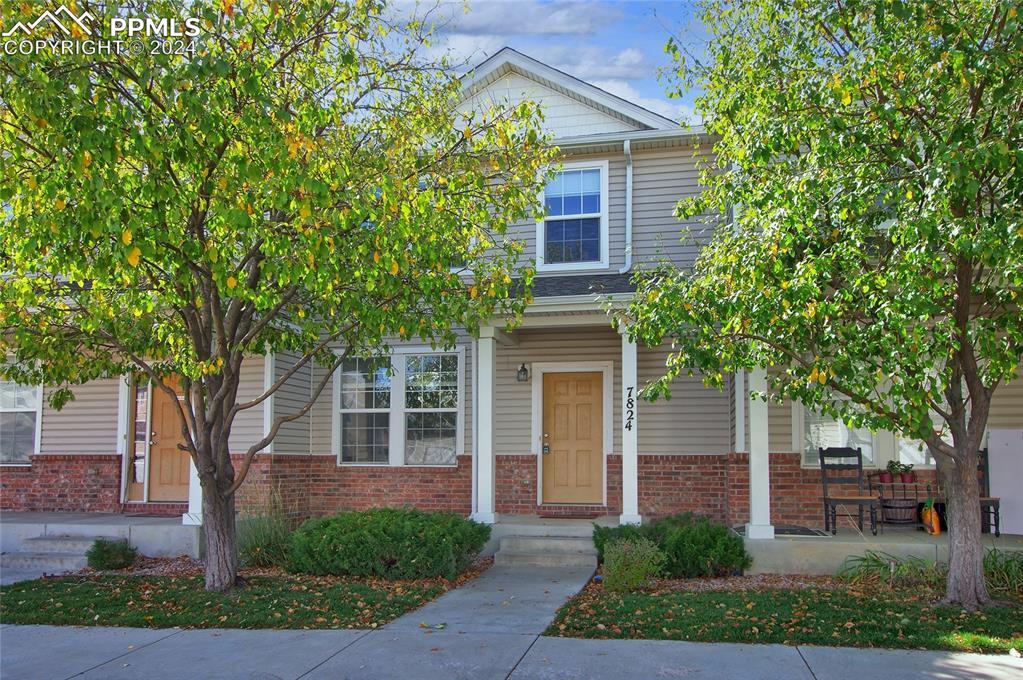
(888, 476)
(906, 474)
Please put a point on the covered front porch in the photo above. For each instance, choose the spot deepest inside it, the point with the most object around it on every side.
(559, 429)
(825, 554)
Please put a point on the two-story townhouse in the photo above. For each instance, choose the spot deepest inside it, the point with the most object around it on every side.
(542, 421)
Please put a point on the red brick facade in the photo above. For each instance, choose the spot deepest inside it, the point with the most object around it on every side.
(82, 483)
(713, 485)
(317, 485)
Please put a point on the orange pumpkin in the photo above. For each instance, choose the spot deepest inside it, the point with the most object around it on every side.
(932, 524)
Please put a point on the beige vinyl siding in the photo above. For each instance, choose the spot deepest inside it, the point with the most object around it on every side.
(248, 425)
(563, 115)
(321, 421)
(1007, 406)
(293, 395)
(88, 424)
(514, 400)
(695, 420)
(779, 426)
(660, 180)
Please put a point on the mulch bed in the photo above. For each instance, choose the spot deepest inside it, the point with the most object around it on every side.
(744, 583)
(184, 566)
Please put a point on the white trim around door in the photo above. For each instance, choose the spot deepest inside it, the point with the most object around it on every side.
(537, 371)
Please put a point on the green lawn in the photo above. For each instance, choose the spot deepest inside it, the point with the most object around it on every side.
(819, 616)
(279, 601)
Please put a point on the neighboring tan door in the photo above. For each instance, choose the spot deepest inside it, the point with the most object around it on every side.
(168, 465)
(573, 438)
(138, 442)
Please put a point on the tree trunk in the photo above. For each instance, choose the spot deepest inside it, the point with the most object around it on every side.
(966, 585)
(219, 532)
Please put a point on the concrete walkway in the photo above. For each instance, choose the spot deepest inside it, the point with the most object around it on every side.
(488, 629)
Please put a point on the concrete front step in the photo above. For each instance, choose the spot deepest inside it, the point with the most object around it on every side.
(49, 562)
(545, 559)
(547, 551)
(63, 544)
(567, 544)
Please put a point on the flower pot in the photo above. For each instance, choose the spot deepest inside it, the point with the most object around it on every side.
(907, 477)
(884, 477)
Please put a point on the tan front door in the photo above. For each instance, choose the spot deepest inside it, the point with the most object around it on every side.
(168, 465)
(573, 438)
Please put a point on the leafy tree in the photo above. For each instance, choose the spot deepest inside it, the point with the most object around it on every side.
(870, 152)
(299, 183)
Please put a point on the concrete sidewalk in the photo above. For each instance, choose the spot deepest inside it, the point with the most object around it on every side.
(488, 629)
(45, 652)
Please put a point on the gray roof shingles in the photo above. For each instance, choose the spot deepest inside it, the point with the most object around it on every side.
(595, 284)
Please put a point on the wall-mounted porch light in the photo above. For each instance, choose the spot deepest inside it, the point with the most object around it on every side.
(522, 375)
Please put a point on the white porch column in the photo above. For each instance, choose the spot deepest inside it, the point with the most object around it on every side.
(194, 515)
(759, 469)
(630, 441)
(486, 350)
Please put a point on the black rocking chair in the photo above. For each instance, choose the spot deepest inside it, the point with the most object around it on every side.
(835, 471)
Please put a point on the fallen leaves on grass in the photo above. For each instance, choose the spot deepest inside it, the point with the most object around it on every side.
(788, 610)
(174, 596)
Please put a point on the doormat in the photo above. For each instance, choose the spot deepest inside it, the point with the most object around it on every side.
(786, 530)
(573, 515)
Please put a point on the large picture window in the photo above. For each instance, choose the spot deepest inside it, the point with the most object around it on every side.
(573, 234)
(19, 422)
(406, 410)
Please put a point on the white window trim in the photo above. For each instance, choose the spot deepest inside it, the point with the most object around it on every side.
(886, 444)
(39, 427)
(882, 445)
(397, 411)
(537, 371)
(605, 248)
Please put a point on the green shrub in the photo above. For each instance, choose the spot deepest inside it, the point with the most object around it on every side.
(263, 538)
(630, 562)
(704, 548)
(1004, 570)
(693, 545)
(603, 535)
(387, 542)
(876, 566)
(106, 554)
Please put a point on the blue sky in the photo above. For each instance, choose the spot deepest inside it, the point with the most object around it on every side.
(617, 45)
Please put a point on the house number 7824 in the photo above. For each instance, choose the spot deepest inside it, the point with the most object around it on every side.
(630, 408)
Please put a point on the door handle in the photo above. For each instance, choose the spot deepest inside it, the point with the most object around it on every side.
(546, 449)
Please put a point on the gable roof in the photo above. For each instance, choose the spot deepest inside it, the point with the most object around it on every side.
(506, 60)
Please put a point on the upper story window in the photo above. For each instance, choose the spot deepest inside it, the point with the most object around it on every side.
(19, 422)
(574, 232)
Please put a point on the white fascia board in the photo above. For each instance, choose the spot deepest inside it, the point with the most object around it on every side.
(577, 303)
(693, 132)
(583, 90)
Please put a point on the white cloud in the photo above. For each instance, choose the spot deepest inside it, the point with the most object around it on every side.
(529, 17)
(675, 110)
